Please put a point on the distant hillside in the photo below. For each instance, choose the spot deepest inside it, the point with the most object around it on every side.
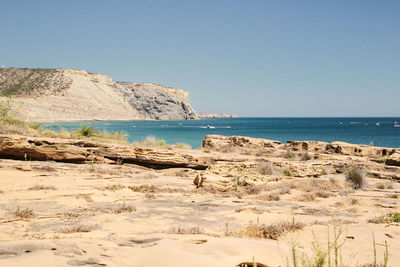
(66, 94)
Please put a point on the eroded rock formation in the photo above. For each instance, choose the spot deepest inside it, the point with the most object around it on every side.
(84, 151)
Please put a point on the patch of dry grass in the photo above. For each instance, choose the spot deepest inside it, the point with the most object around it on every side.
(305, 156)
(42, 187)
(104, 208)
(283, 191)
(323, 194)
(290, 154)
(143, 188)
(354, 201)
(265, 168)
(86, 197)
(23, 213)
(122, 208)
(306, 197)
(194, 230)
(356, 175)
(382, 185)
(151, 141)
(181, 146)
(12, 129)
(394, 196)
(270, 197)
(271, 231)
(114, 187)
(81, 228)
(251, 189)
(45, 167)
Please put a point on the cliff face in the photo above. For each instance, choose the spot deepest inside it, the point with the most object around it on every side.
(157, 102)
(65, 94)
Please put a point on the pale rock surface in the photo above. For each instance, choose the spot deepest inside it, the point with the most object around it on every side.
(71, 95)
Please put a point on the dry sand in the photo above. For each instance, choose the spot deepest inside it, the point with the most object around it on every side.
(126, 215)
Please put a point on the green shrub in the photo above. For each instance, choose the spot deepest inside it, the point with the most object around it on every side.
(86, 131)
(36, 126)
(287, 172)
(392, 217)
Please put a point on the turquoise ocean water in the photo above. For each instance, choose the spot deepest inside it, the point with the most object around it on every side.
(380, 131)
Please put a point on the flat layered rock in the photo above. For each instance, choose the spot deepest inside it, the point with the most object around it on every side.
(78, 151)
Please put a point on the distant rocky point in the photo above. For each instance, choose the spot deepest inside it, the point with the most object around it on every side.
(216, 115)
(73, 95)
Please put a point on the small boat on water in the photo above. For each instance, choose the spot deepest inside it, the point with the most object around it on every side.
(341, 123)
(228, 127)
(377, 124)
(396, 125)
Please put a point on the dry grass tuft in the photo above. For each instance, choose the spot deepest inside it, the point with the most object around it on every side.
(115, 187)
(283, 190)
(290, 154)
(272, 231)
(82, 228)
(265, 168)
(251, 189)
(86, 197)
(323, 194)
(151, 141)
(380, 186)
(181, 146)
(12, 129)
(387, 185)
(23, 213)
(394, 196)
(354, 201)
(305, 156)
(143, 188)
(340, 221)
(306, 197)
(123, 208)
(270, 197)
(45, 167)
(356, 175)
(194, 230)
(42, 187)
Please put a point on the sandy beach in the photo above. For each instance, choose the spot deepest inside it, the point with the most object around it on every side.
(97, 214)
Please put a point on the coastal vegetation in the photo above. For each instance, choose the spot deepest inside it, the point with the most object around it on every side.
(331, 254)
(10, 123)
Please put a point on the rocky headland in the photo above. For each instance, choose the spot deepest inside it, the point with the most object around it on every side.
(216, 115)
(72, 95)
(234, 201)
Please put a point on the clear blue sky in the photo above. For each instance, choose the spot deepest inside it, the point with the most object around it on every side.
(252, 58)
